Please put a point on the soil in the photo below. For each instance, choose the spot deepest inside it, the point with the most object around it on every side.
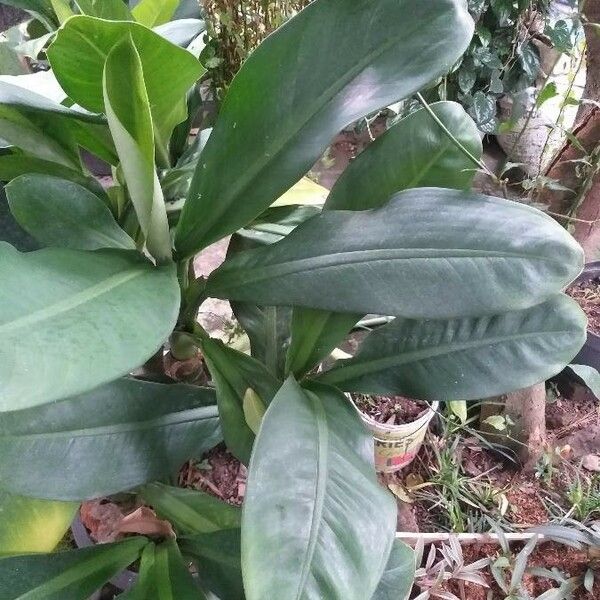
(569, 562)
(587, 294)
(391, 410)
(219, 474)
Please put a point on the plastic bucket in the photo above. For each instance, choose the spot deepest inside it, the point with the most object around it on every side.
(397, 445)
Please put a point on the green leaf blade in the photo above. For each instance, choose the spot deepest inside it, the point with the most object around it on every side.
(130, 120)
(280, 128)
(66, 450)
(413, 153)
(312, 466)
(72, 575)
(72, 320)
(492, 255)
(465, 358)
(163, 575)
(397, 580)
(64, 214)
(191, 511)
(234, 373)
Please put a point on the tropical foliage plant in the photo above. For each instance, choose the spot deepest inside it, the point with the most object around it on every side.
(474, 283)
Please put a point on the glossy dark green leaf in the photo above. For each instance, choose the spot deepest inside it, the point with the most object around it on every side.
(73, 320)
(413, 153)
(234, 373)
(81, 48)
(115, 10)
(129, 116)
(29, 101)
(163, 575)
(397, 580)
(11, 231)
(316, 522)
(491, 255)
(274, 224)
(14, 165)
(268, 328)
(315, 334)
(64, 214)
(31, 525)
(44, 128)
(71, 575)
(114, 438)
(154, 12)
(465, 358)
(217, 557)
(191, 511)
(271, 130)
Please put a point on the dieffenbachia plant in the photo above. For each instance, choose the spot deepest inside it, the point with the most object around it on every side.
(474, 283)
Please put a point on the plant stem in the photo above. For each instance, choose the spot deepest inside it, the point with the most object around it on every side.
(480, 164)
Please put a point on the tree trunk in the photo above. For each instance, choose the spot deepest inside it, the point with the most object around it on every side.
(585, 204)
(525, 412)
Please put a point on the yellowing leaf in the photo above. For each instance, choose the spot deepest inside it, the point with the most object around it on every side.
(254, 410)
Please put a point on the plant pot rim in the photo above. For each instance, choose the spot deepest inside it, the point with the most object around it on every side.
(123, 580)
(422, 419)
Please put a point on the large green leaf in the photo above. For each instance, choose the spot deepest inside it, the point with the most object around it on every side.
(413, 153)
(14, 165)
(315, 334)
(61, 213)
(163, 576)
(234, 373)
(114, 438)
(11, 231)
(490, 255)
(217, 556)
(17, 95)
(72, 575)
(81, 48)
(268, 328)
(465, 358)
(154, 12)
(30, 525)
(45, 136)
(191, 511)
(73, 320)
(43, 127)
(129, 118)
(303, 85)
(316, 523)
(397, 580)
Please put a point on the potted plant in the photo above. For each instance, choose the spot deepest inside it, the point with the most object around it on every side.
(115, 281)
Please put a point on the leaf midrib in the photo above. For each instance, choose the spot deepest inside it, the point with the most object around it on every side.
(245, 275)
(73, 302)
(371, 366)
(203, 413)
(321, 467)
